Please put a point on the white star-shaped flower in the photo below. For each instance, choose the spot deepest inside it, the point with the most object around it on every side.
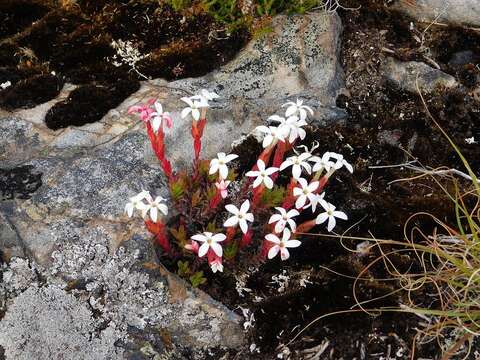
(222, 187)
(195, 103)
(322, 163)
(153, 207)
(305, 192)
(283, 219)
(262, 175)
(240, 216)
(272, 134)
(297, 162)
(135, 201)
(158, 117)
(220, 164)
(292, 126)
(281, 245)
(341, 162)
(209, 240)
(297, 107)
(314, 202)
(330, 214)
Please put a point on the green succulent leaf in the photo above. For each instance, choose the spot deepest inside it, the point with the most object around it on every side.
(183, 268)
(273, 197)
(197, 279)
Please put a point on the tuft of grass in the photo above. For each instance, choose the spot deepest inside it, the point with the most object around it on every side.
(449, 265)
(442, 285)
(179, 5)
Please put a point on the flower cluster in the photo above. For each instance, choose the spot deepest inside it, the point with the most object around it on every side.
(305, 173)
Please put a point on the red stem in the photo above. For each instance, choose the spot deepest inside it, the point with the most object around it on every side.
(158, 229)
(158, 145)
(278, 158)
(215, 201)
(197, 133)
(246, 239)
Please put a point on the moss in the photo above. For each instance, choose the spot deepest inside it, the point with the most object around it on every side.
(89, 104)
(30, 92)
(15, 15)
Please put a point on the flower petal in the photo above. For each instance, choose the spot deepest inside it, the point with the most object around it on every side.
(217, 248)
(331, 223)
(300, 201)
(272, 238)
(293, 243)
(154, 214)
(257, 181)
(203, 249)
(291, 110)
(321, 218)
(279, 226)
(284, 254)
(271, 170)
(286, 164)
(196, 114)
(230, 157)
(199, 237)
(223, 171)
(232, 209)
(274, 218)
(273, 251)
(219, 237)
(340, 215)
(245, 206)
(296, 171)
(163, 208)
(268, 182)
(243, 225)
(231, 221)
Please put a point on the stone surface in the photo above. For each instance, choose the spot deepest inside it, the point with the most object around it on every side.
(91, 265)
(453, 12)
(404, 76)
(71, 331)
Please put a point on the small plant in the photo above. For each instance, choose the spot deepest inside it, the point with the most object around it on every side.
(127, 54)
(179, 5)
(286, 177)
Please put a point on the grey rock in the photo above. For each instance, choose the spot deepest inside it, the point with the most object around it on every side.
(11, 244)
(463, 57)
(94, 267)
(390, 137)
(453, 12)
(404, 75)
(48, 323)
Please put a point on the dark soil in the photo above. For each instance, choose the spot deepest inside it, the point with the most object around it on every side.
(20, 182)
(384, 127)
(73, 44)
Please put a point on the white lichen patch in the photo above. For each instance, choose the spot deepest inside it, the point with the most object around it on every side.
(47, 322)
